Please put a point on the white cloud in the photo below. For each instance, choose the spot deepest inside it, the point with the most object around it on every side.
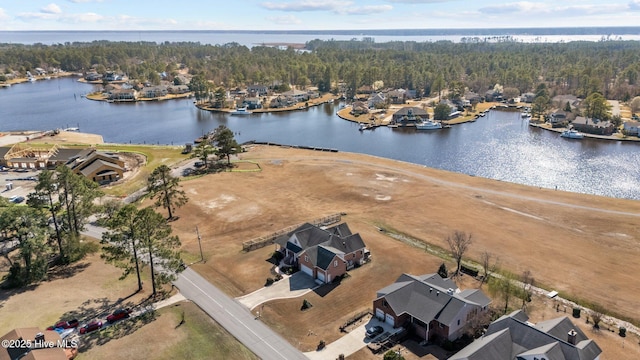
(285, 20)
(3, 14)
(532, 9)
(51, 9)
(334, 6)
(634, 5)
(308, 5)
(366, 10)
(83, 1)
(420, 1)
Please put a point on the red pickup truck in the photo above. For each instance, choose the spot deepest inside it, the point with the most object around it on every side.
(65, 325)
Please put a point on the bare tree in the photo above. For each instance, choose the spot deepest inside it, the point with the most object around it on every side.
(476, 323)
(597, 313)
(488, 266)
(527, 282)
(458, 244)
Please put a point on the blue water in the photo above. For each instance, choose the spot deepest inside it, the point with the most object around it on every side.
(499, 146)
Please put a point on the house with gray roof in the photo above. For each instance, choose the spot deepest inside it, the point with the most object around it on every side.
(593, 125)
(513, 337)
(324, 254)
(428, 305)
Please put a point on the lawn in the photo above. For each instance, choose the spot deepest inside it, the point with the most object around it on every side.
(165, 337)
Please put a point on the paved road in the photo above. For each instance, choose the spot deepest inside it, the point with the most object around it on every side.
(235, 318)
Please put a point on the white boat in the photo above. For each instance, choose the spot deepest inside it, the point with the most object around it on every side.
(572, 134)
(31, 79)
(428, 125)
(241, 111)
(526, 116)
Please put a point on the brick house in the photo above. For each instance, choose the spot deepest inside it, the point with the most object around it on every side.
(514, 337)
(409, 115)
(429, 306)
(324, 254)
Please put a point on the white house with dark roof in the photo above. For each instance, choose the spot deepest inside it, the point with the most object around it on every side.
(428, 305)
(324, 254)
(513, 337)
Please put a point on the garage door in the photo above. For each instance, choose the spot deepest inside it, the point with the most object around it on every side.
(307, 270)
(380, 314)
(389, 320)
(321, 276)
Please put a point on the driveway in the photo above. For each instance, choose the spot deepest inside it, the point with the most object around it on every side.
(351, 342)
(292, 286)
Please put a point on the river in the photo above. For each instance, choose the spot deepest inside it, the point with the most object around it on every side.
(499, 146)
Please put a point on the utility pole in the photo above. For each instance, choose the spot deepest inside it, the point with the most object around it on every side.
(200, 244)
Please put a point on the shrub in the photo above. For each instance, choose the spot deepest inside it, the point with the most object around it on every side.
(305, 305)
(277, 256)
(321, 345)
(277, 277)
(269, 282)
(622, 332)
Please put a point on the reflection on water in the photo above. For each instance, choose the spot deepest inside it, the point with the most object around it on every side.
(499, 146)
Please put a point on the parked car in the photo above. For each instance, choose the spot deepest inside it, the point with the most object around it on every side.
(17, 199)
(198, 164)
(374, 331)
(119, 315)
(92, 326)
(65, 325)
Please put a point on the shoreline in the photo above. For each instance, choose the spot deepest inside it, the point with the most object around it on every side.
(586, 135)
(311, 103)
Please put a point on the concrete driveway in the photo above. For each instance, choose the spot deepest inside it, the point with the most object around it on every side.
(292, 286)
(351, 342)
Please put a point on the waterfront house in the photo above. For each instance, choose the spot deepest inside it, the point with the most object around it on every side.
(409, 115)
(151, 92)
(593, 126)
(93, 76)
(122, 95)
(365, 89)
(377, 99)
(323, 254)
(359, 108)
(492, 95)
(631, 127)
(178, 89)
(257, 90)
(297, 95)
(559, 118)
(431, 307)
(252, 103)
(514, 337)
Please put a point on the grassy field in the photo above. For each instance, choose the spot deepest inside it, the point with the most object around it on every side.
(164, 337)
(558, 236)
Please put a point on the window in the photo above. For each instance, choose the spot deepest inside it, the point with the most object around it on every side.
(306, 258)
(335, 263)
(458, 321)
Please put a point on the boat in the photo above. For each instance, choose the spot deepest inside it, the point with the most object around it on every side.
(31, 79)
(365, 126)
(428, 125)
(526, 116)
(572, 134)
(241, 111)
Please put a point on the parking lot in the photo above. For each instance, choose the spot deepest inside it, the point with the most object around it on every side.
(22, 183)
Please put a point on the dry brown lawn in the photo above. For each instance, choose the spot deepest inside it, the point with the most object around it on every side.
(85, 290)
(581, 245)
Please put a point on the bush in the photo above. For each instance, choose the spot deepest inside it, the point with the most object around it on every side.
(321, 345)
(622, 332)
(269, 282)
(305, 305)
(277, 277)
(277, 256)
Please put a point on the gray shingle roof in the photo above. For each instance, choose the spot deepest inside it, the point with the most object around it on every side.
(426, 297)
(324, 257)
(496, 346)
(525, 338)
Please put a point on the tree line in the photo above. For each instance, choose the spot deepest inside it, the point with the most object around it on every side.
(47, 231)
(580, 68)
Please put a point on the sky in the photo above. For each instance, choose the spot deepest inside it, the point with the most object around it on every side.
(311, 14)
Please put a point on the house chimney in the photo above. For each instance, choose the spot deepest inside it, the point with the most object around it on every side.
(571, 337)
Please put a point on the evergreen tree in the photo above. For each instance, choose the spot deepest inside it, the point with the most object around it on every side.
(225, 143)
(165, 188)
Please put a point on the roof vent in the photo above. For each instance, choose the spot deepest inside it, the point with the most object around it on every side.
(450, 291)
(430, 289)
(437, 293)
